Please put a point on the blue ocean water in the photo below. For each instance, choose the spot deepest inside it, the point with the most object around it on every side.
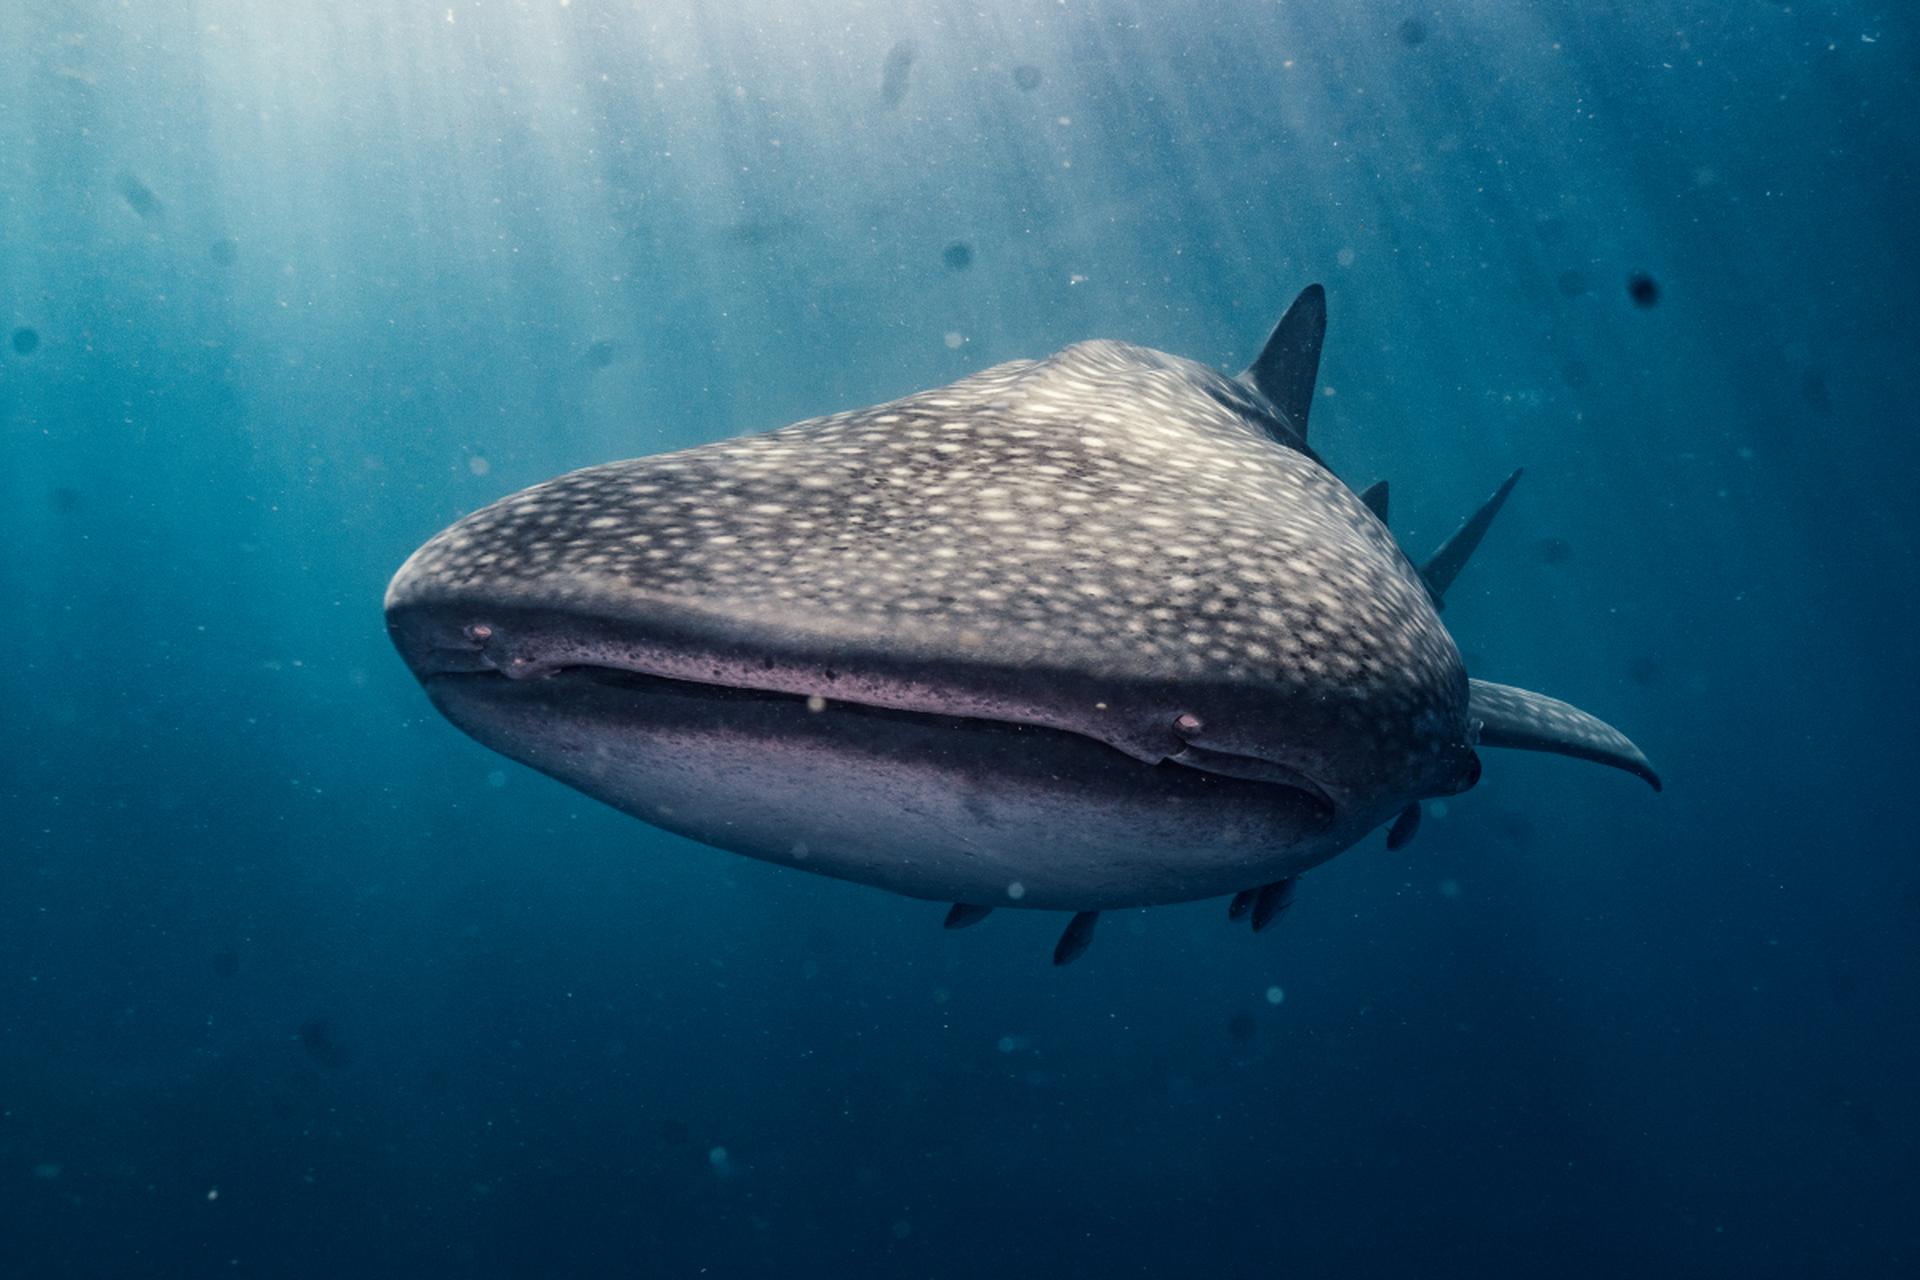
(296, 980)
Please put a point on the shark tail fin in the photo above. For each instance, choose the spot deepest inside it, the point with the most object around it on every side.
(1444, 565)
(1534, 722)
(1286, 368)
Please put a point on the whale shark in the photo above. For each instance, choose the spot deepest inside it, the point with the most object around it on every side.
(1091, 632)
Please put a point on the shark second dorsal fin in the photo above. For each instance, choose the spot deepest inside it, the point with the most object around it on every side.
(1375, 496)
(1512, 717)
(1445, 563)
(1285, 369)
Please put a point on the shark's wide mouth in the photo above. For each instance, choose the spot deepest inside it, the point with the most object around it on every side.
(856, 719)
(1147, 721)
(931, 805)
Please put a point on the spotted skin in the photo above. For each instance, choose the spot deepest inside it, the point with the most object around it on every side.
(1040, 534)
(1113, 545)
(1508, 717)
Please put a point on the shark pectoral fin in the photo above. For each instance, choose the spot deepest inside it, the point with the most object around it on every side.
(1272, 902)
(966, 913)
(1077, 937)
(1404, 828)
(1444, 565)
(1285, 369)
(1512, 717)
(1375, 497)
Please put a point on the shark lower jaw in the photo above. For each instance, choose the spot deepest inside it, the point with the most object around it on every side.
(931, 806)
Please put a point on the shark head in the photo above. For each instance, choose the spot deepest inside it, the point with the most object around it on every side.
(1093, 631)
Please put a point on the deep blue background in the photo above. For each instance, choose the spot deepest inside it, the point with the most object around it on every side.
(310, 279)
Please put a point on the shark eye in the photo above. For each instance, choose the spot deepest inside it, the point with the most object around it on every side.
(479, 633)
(1186, 723)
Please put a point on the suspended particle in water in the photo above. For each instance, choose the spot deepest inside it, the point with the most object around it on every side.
(958, 256)
(26, 340)
(316, 1037)
(1516, 827)
(1027, 77)
(1643, 289)
(1813, 389)
(138, 195)
(893, 80)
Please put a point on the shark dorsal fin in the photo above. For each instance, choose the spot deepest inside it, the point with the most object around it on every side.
(1375, 496)
(1286, 367)
(1445, 564)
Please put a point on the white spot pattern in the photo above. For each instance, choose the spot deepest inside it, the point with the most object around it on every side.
(1101, 512)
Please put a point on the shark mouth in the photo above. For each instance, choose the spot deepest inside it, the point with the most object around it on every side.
(856, 720)
(930, 805)
(531, 647)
